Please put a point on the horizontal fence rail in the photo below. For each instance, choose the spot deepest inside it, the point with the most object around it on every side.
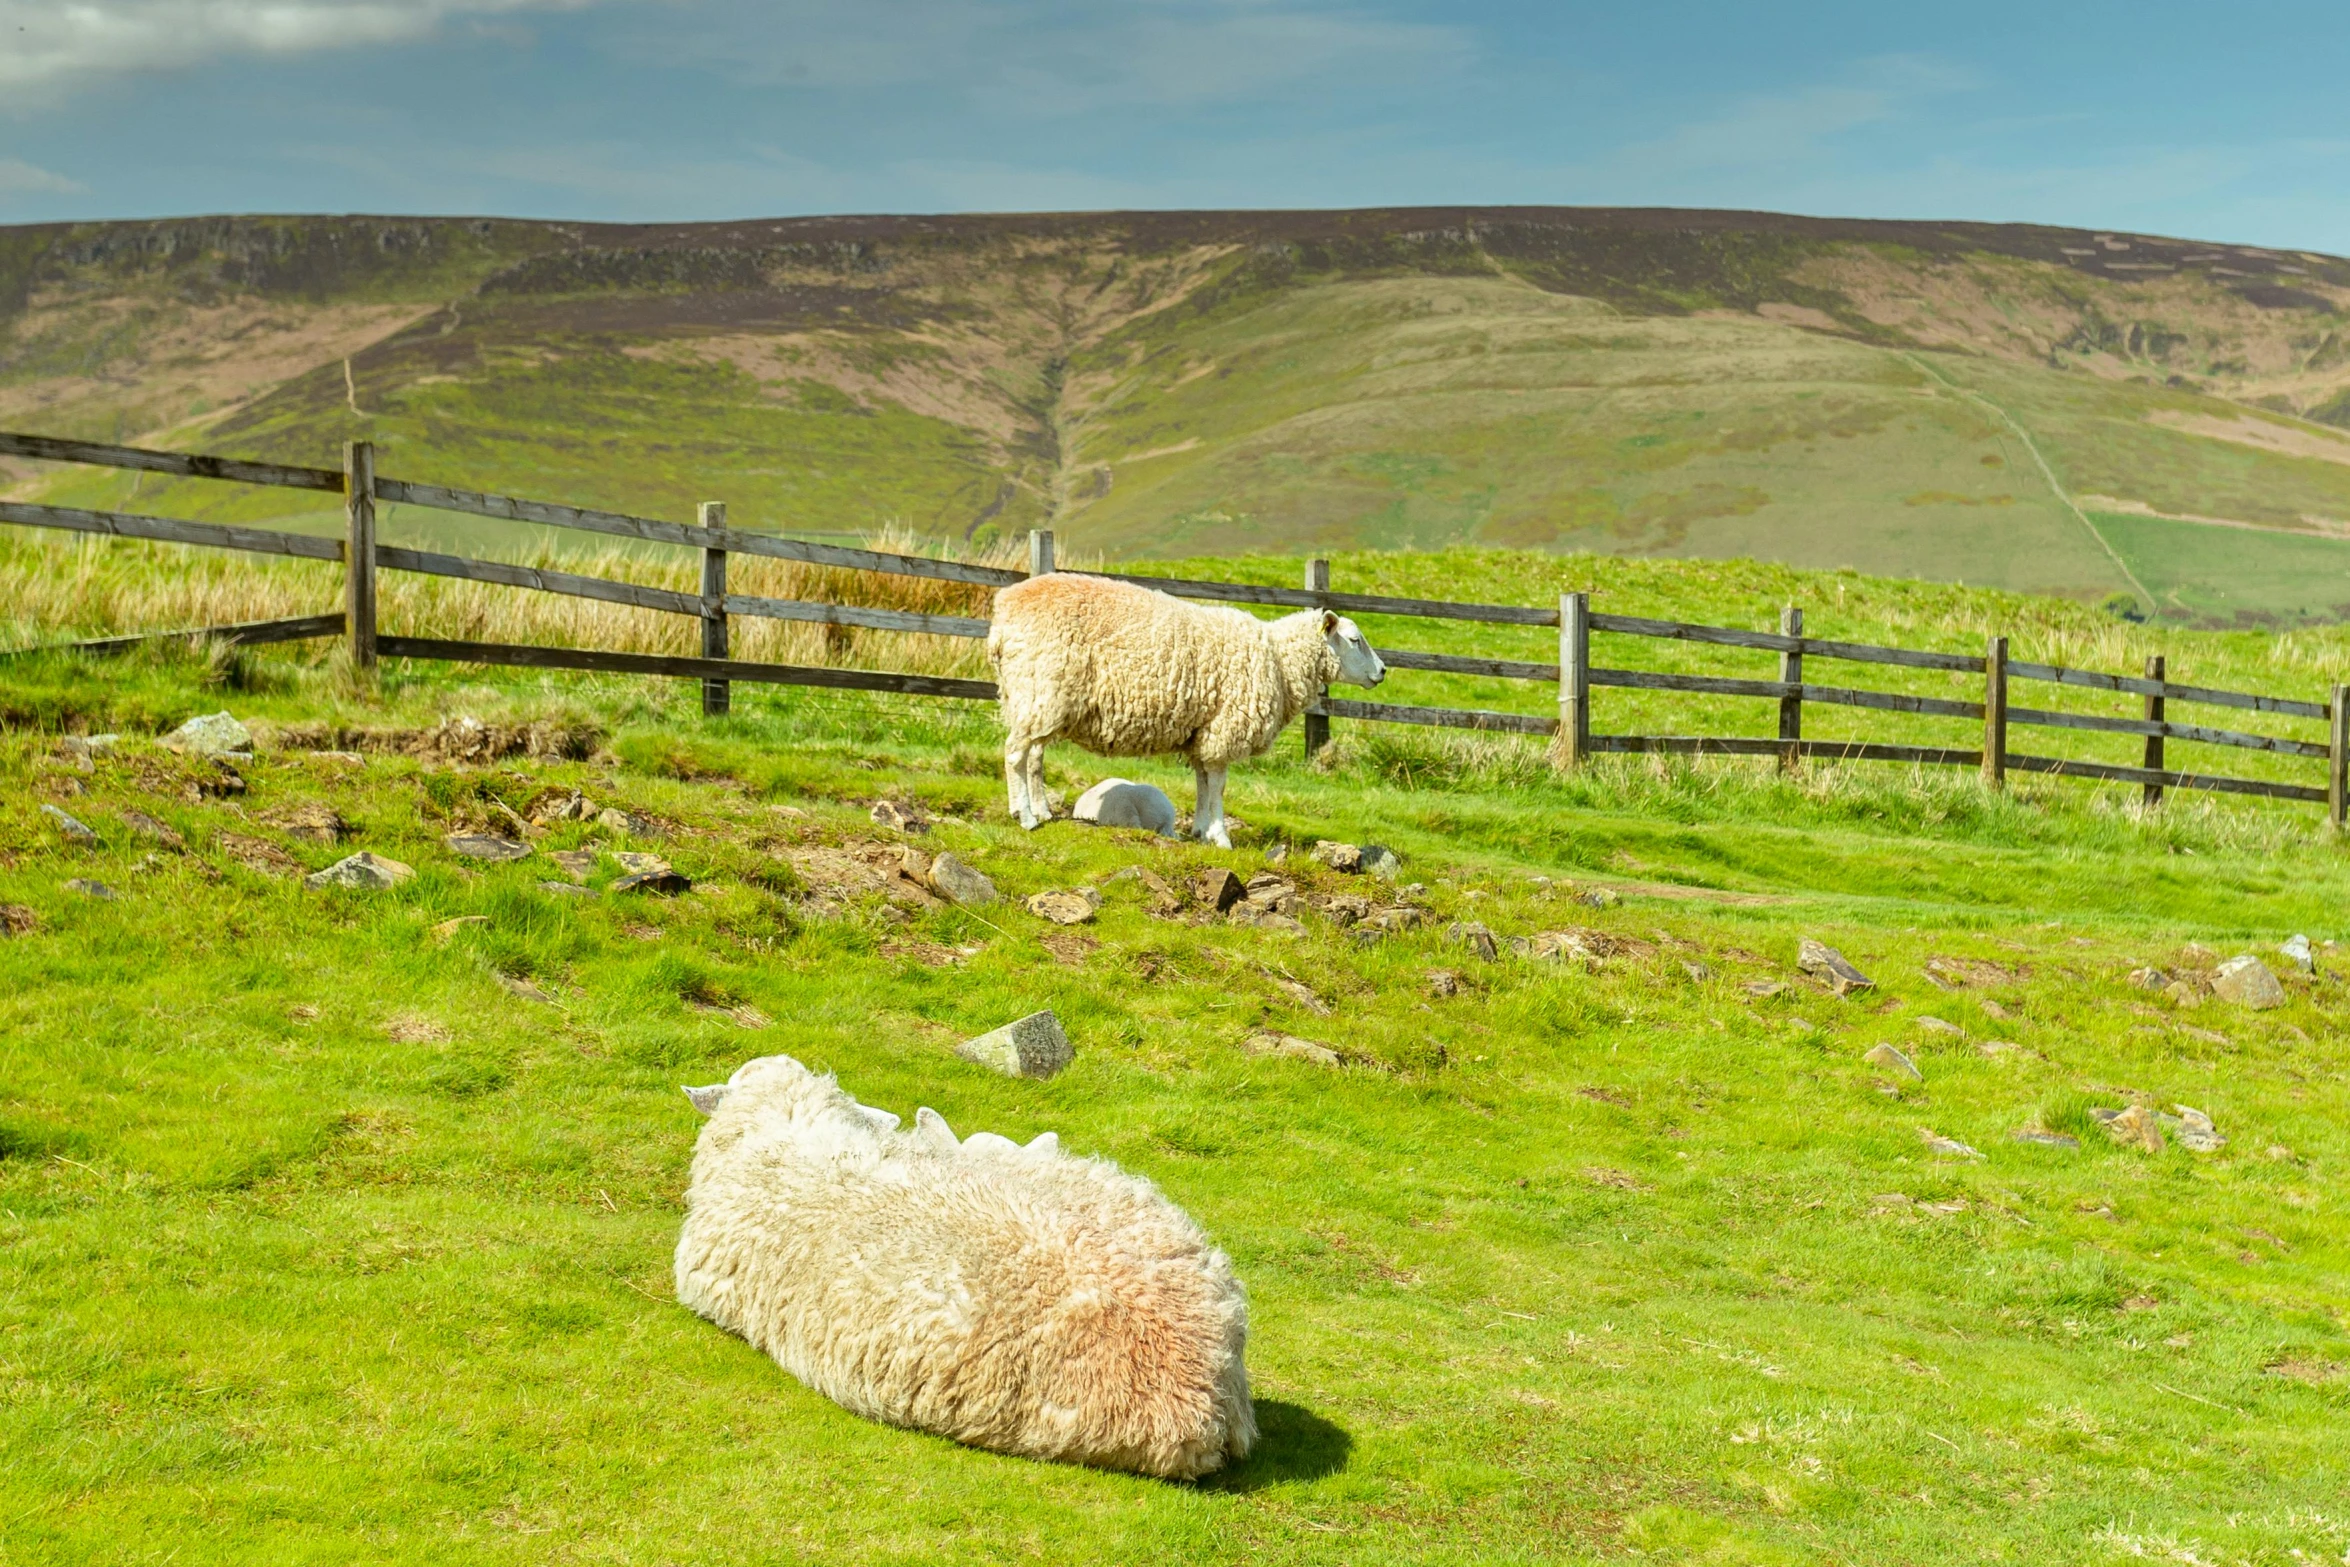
(1573, 673)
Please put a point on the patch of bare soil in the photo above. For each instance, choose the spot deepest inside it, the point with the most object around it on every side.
(258, 854)
(2284, 440)
(1069, 947)
(463, 740)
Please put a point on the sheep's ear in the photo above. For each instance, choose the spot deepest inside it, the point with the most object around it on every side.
(882, 1120)
(707, 1100)
(1329, 621)
(932, 1128)
(1045, 1145)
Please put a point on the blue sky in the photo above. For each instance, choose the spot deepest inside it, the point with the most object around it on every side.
(2217, 121)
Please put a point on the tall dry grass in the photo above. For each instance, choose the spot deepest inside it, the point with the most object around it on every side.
(57, 590)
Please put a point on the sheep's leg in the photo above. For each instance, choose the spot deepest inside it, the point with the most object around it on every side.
(1040, 808)
(1016, 752)
(1207, 816)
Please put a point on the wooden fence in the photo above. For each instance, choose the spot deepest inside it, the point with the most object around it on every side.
(1573, 672)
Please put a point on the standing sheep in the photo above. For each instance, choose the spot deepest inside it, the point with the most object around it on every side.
(1125, 671)
(1018, 1299)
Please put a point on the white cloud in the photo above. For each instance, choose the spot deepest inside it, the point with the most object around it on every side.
(19, 178)
(53, 46)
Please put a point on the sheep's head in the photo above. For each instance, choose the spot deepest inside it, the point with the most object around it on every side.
(1358, 665)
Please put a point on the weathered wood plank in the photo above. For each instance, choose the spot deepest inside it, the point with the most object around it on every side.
(2163, 728)
(538, 579)
(1461, 664)
(1440, 717)
(170, 530)
(685, 668)
(854, 615)
(1349, 603)
(184, 465)
(1826, 750)
(2065, 767)
(2092, 680)
(1775, 642)
(1834, 696)
(250, 633)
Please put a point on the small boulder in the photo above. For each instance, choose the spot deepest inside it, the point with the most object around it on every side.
(1946, 1147)
(2136, 1127)
(900, 816)
(1380, 861)
(1892, 1060)
(2149, 978)
(1935, 1025)
(628, 824)
(2297, 953)
(1120, 802)
(1066, 908)
(1261, 918)
(2045, 1139)
(2195, 1132)
(2183, 994)
(663, 882)
(486, 846)
(2248, 982)
(1443, 982)
(958, 883)
(1474, 936)
(91, 889)
(1032, 1047)
(1344, 857)
(1218, 890)
(1402, 917)
(364, 870)
(566, 889)
(638, 864)
(1600, 898)
(1267, 1042)
(1826, 964)
(578, 864)
(1698, 973)
(73, 831)
(148, 827)
(313, 823)
(213, 734)
(1761, 989)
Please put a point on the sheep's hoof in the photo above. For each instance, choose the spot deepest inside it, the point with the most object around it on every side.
(1031, 822)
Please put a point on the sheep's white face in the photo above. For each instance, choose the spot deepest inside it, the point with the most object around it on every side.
(1357, 664)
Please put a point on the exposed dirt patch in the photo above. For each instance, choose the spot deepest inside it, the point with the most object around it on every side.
(2284, 440)
(466, 740)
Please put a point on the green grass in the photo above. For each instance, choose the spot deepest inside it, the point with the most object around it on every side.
(318, 1243)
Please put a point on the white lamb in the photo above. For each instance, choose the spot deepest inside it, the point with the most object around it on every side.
(1018, 1299)
(1125, 671)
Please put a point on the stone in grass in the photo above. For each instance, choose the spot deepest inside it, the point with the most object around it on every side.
(2149, 978)
(91, 889)
(17, 920)
(486, 846)
(899, 816)
(1344, 857)
(628, 824)
(1066, 908)
(1260, 918)
(2195, 1132)
(2137, 1127)
(1217, 889)
(2248, 982)
(2044, 1138)
(1892, 1060)
(73, 831)
(1381, 861)
(662, 881)
(1032, 1047)
(2297, 953)
(1267, 1042)
(1121, 802)
(1946, 1147)
(148, 827)
(213, 734)
(364, 870)
(958, 883)
(578, 864)
(636, 864)
(1474, 936)
(1824, 963)
(1443, 982)
(566, 889)
(1935, 1025)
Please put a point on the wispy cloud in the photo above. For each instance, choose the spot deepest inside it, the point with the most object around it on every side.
(19, 178)
(53, 46)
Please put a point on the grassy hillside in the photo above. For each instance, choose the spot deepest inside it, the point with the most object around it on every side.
(1966, 403)
(337, 1224)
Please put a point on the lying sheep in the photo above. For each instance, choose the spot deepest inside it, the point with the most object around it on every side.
(1125, 671)
(1018, 1299)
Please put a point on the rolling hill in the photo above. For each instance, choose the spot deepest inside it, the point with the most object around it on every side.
(2104, 416)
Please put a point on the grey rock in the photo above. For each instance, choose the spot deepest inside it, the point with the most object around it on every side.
(1946, 1147)
(900, 816)
(1698, 973)
(74, 831)
(2248, 982)
(637, 864)
(2136, 1127)
(1381, 861)
(2033, 1134)
(958, 883)
(2296, 951)
(1266, 1042)
(213, 734)
(1121, 802)
(1217, 889)
(663, 882)
(91, 889)
(1260, 918)
(1443, 982)
(2195, 1131)
(486, 846)
(578, 864)
(1339, 856)
(1894, 1061)
(1825, 963)
(1399, 918)
(1761, 989)
(148, 827)
(1033, 1047)
(364, 870)
(1276, 854)
(1600, 898)
(567, 888)
(628, 823)
(1066, 908)
(1474, 936)
(2149, 978)
(1936, 1025)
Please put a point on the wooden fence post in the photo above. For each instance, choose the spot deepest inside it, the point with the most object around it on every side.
(359, 552)
(1995, 713)
(717, 695)
(1790, 705)
(1040, 552)
(1317, 723)
(2154, 709)
(1574, 738)
(2338, 764)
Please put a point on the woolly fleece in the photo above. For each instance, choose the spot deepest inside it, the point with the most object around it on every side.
(1017, 1299)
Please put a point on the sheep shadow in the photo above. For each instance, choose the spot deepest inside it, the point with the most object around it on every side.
(1293, 1443)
